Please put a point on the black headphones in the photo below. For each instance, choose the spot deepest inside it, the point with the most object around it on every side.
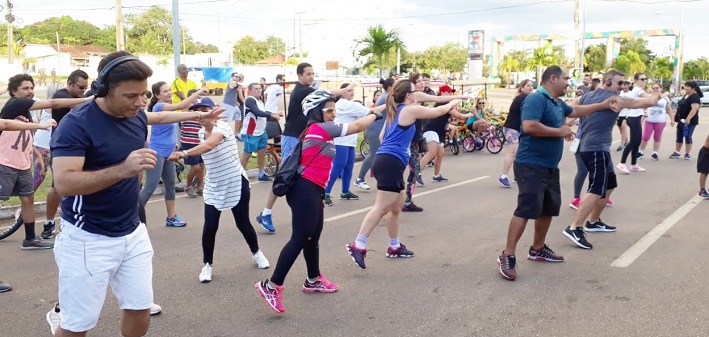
(609, 83)
(100, 85)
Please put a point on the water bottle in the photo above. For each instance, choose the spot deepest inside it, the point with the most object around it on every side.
(685, 127)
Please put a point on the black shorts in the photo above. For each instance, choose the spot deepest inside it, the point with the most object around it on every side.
(539, 191)
(389, 172)
(601, 175)
(191, 160)
(620, 120)
(703, 161)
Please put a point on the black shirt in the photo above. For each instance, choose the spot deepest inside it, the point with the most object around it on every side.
(296, 120)
(685, 106)
(16, 107)
(58, 114)
(514, 118)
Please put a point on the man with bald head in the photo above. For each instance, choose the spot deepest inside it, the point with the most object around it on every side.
(182, 85)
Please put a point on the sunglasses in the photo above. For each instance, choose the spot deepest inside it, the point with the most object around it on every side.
(81, 87)
(329, 110)
(481, 103)
(643, 79)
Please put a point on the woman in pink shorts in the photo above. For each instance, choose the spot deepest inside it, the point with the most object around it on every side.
(655, 121)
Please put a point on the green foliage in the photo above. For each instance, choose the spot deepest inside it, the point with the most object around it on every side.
(595, 58)
(660, 68)
(70, 31)
(630, 62)
(696, 69)
(248, 50)
(379, 47)
(149, 32)
(639, 46)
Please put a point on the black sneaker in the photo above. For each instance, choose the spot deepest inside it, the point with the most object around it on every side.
(507, 265)
(578, 237)
(348, 196)
(654, 156)
(419, 180)
(641, 154)
(544, 254)
(48, 231)
(599, 226)
(399, 252)
(357, 255)
(411, 207)
(675, 155)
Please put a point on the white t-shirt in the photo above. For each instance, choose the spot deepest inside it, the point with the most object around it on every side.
(222, 185)
(348, 112)
(636, 93)
(273, 93)
(41, 137)
(252, 125)
(658, 112)
(625, 112)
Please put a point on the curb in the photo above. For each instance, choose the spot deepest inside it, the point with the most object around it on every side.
(40, 207)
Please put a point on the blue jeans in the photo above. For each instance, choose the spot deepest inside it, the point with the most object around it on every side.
(342, 166)
(288, 143)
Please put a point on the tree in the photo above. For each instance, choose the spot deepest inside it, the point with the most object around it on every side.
(630, 63)
(660, 68)
(693, 70)
(156, 22)
(248, 50)
(379, 46)
(275, 45)
(70, 31)
(595, 58)
(639, 46)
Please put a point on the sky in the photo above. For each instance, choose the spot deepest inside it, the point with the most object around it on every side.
(327, 29)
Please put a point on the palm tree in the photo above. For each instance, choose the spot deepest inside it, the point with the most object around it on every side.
(380, 46)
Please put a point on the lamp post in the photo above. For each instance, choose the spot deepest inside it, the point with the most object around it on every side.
(679, 48)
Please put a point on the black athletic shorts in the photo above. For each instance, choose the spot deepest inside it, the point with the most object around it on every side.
(620, 120)
(601, 175)
(539, 191)
(703, 161)
(389, 172)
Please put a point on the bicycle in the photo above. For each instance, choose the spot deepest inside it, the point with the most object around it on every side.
(489, 140)
(273, 159)
(6, 231)
(364, 148)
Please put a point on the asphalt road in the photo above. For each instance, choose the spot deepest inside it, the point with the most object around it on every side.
(451, 287)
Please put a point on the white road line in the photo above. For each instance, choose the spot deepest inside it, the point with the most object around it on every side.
(435, 190)
(649, 239)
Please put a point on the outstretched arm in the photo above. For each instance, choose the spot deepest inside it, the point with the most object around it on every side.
(12, 125)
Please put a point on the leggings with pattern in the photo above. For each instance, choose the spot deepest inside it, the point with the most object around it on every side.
(414, 171)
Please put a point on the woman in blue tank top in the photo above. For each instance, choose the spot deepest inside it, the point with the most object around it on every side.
(389, 164)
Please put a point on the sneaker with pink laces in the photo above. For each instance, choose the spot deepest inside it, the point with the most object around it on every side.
(575, 203)
(273, 297)
(636, 168)
(322, 285)
(623, 169)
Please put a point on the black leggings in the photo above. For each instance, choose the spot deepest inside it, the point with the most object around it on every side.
(241, 217)
(636, 135)
(306, 204)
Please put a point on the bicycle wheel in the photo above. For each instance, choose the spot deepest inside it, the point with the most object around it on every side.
(364, 148)
(6, 231)
(468, 143)
(500, 135)
(455, 149)
(493, 145)
(272, 164)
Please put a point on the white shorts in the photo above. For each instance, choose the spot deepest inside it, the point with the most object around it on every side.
(432, 136)
(89, 262)
(232, 113)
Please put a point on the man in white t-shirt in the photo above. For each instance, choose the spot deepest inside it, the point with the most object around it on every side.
(253, 130)
(274, 93)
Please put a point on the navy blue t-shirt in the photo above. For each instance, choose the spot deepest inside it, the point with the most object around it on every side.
(542, 151)
(103, 141)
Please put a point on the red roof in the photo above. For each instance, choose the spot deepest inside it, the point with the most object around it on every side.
(81, 52)
(274, 59)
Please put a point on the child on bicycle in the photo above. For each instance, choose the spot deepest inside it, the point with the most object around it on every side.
(477, 123)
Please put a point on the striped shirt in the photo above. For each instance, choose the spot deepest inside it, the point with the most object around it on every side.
(222, 186)
(189, 130)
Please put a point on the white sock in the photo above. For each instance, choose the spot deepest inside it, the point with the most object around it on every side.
(394, 243)
(361, 242)
(266, 211)
(503, 176)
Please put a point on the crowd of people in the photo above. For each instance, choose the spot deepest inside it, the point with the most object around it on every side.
(405, 125)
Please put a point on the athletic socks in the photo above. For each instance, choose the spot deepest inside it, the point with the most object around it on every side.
(266, 211)
(394, 243)
(503, 176)
(29, 231)
(361, 242)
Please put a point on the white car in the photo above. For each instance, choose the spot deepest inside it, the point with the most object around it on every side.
(705, 99)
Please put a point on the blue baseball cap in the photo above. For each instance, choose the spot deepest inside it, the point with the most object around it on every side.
(204, 101)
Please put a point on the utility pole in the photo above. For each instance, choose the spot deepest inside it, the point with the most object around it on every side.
(120, 41)
(175, 34)
(300, 34)
(577, 31)
(10, 39)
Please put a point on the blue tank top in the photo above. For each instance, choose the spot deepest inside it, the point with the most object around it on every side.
(230, 95)
(397, 139)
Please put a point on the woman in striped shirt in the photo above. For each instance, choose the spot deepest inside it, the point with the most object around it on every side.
(226, 186)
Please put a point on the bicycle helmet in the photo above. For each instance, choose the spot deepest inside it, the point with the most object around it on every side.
(314, 102)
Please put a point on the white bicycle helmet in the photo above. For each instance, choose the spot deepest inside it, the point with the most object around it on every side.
(315, 99)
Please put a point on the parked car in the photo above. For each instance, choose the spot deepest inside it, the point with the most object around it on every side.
(705, 99)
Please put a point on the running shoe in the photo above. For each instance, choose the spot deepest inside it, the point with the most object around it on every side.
(623, 169)
(35, 244)
(544, 254)
(575, 203)
(419, 180)
(361, 184)
(504, 182)
(641, 155)
(637, 168)
(578, 237)
(599, 227)
(675, 155)
(507, 265)
(48, 231)
(155, 309)
(175, 221)
(430, 164)
(322, 285)
(687, 156)
(273, 297)
(357, 255)
(5, 287)
(703, 194)
(411, 207)
(620, 148)
(260, 259)
(609, 202)
(348, 196)
(191, 192)
(399, 252)
(266, 222)
(654, 156)
(53, 319)
(206, 274)
(264, 179)
(327, 199)
(439, 178)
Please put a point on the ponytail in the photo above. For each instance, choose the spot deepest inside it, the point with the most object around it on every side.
(397, 96)
(156, 92)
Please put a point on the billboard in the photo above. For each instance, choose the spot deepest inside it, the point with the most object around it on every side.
(475, 44)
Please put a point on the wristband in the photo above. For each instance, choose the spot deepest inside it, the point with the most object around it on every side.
(377, 115)
(185, 153)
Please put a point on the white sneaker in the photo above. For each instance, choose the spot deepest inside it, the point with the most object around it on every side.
(623, 169)
(53, 319)
(206, 274)
(260, 260)
(155, 309)
(361, 184)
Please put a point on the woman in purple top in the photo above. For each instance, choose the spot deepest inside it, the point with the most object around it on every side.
(163, 139)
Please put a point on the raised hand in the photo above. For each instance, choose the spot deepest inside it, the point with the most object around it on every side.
(138, 161)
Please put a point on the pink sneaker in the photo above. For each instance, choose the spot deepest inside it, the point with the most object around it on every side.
(636, 168)
(575, 203)
(321, 286)
(609, 203)
(273, 297)
(623, 169)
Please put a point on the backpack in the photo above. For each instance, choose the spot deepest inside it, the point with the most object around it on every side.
(290, 171)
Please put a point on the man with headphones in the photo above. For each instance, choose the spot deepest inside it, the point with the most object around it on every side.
(98, 152)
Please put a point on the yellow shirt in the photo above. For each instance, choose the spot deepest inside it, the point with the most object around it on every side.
(179, 85)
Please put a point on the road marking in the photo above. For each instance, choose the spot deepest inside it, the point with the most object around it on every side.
(435, 190)
(649, 239)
